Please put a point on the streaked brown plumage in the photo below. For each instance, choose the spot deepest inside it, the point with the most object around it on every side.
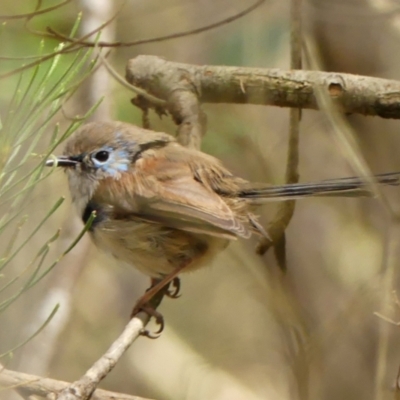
(160, 206)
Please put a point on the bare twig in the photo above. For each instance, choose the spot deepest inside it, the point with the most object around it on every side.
(33, 385)
(284, 214)
(344, 133)
(347, 10)
(38, 61)
(66, 49)
(152, 99)
(191, 32)
(34, 13)
(294, 88)
(345, 138)
(84, 387)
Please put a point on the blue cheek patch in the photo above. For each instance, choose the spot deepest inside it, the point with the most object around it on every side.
(118, 162)
(123, 160)
(110, 169)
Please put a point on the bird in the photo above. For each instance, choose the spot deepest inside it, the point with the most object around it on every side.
(165, 208)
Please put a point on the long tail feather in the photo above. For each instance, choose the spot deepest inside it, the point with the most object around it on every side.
(342, 187)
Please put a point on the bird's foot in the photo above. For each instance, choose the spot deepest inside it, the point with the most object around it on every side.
(154, 295)
(151, 312)
(174, 289)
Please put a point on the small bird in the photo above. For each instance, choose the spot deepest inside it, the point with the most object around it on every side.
(164, 208)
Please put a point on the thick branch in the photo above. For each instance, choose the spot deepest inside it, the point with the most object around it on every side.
(32, 385)
(295, 88)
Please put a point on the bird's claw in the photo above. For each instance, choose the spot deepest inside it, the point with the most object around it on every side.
(151, 312)
(176, 288)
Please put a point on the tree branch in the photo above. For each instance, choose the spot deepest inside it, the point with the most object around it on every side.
(277, 226)
(83, 42)
(33, 385)
(34, 13)
(295, 88)
(285, 211)
(85, 386)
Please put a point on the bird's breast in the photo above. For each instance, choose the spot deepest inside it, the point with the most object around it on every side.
(152, 248)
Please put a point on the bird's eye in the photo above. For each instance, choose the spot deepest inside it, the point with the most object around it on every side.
(101, 156)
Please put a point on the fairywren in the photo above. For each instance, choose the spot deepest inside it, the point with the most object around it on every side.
(160, 206)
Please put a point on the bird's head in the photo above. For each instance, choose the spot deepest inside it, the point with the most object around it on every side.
(100, 150)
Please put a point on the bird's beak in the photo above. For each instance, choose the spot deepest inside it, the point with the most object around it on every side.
(61, 161)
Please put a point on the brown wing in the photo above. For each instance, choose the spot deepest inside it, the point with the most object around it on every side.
(181, 201)
(170, 195)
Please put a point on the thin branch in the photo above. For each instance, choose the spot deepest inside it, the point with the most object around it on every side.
(32, 385)
(196, 31)
(85, 386)
(40, 60)
(73, 42)
(284, 214)
(66, 49)
(152, 99)
(347, 11)
(34, 13)
(294, 88)
(344, 133)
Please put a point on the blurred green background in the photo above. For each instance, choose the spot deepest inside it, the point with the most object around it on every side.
(242, 329)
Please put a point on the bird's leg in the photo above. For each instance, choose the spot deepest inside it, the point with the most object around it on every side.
(160, 284)
(154, 295)
(150, 308)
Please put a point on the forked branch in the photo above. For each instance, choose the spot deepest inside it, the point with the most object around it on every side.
(294, 88)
